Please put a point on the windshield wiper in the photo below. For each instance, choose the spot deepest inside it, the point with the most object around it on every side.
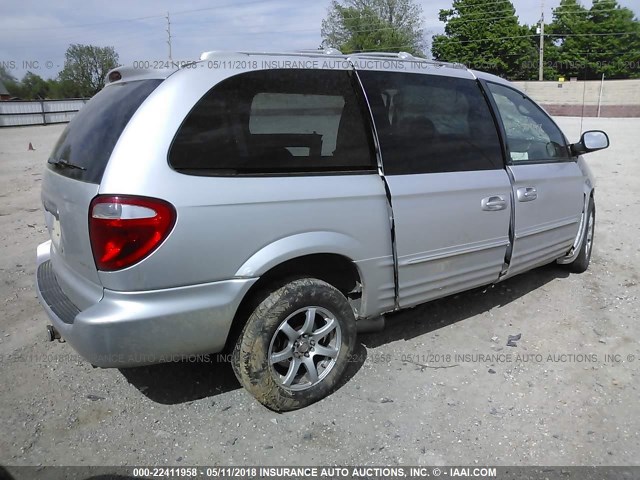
(62, 163)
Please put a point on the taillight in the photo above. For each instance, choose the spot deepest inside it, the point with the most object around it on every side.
(125, 229)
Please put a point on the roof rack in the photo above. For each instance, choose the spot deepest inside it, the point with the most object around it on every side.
(408, 56)
(335, 52)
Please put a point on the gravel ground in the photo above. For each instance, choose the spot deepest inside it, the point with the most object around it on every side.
(554, 399)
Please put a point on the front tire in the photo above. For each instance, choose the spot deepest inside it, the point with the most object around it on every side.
(581, 262)
(296, 345)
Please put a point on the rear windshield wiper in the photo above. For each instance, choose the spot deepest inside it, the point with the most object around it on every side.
(62, 163)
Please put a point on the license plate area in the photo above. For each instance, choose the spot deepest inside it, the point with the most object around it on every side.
(56, 233)
(52, 221)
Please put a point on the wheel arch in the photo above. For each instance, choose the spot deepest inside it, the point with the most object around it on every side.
(588, 194)
(337, 269)
(297, 246)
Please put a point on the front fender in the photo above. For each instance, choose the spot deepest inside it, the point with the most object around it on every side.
(588, 191)
(298, 245)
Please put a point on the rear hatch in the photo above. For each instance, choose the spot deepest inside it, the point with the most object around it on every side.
(72, 180)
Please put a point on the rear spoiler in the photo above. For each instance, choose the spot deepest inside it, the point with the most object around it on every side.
(131, 73)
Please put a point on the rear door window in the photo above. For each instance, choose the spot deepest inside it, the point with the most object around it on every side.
(275, 122)
(432, 124)
(90, 137)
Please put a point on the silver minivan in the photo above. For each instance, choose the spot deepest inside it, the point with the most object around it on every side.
(275, 204)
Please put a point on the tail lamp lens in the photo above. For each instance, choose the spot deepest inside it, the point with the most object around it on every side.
(126, 229)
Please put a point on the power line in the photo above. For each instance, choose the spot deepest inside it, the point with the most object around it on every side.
(559, 9)
(586, 54)
(478, 14)
(482, 4)
(376, 29)
(123, 20)
(547, 35)
(183, 12)
(217, 7)
(365, 30)
(58, 27)
(571, 9)
(462, 20)
(614, 34)
(100, 35)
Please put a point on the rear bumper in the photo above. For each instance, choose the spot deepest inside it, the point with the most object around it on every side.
(137, 328)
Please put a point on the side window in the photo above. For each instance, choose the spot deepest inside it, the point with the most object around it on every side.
(431, 124)
(275, 114)
(531, 135)
(275, 121)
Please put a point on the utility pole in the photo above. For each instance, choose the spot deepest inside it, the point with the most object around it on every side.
(541, 29)
(169, 35)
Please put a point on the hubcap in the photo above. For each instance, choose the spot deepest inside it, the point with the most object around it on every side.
(305, 348)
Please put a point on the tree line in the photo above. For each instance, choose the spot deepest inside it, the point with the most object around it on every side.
(487, 35)
(482, 34)
(83, 75)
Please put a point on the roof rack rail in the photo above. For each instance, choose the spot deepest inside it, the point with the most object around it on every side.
(461, 66)
(400, 55)
(408, 56)
(228, 53)
(320, 51)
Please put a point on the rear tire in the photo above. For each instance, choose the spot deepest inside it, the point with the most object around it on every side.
(296, 344)
(581, 262)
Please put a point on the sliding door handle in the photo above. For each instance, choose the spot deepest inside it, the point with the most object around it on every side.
(526, 194)
(493, 203)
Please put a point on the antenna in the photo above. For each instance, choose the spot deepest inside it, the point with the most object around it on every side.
(169, 34)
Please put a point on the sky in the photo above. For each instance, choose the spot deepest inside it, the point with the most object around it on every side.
(35, 34)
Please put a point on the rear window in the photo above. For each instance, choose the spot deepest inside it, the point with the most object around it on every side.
(90, 137)
(275, 122)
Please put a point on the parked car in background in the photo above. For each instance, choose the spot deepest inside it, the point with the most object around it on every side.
(252, 203)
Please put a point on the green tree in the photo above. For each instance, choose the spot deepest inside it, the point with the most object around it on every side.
(10, 82)
(588, 43)
(374, 25)
(34, 87)
(85, 68)
(487, 36)
(5, 76)
(64, 89)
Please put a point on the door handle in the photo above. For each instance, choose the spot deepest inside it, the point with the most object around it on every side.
(493, 203)
(526, 194)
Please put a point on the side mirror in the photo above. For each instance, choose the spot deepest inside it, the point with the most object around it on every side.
(590, 141)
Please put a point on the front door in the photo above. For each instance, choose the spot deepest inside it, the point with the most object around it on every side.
(547, 182)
